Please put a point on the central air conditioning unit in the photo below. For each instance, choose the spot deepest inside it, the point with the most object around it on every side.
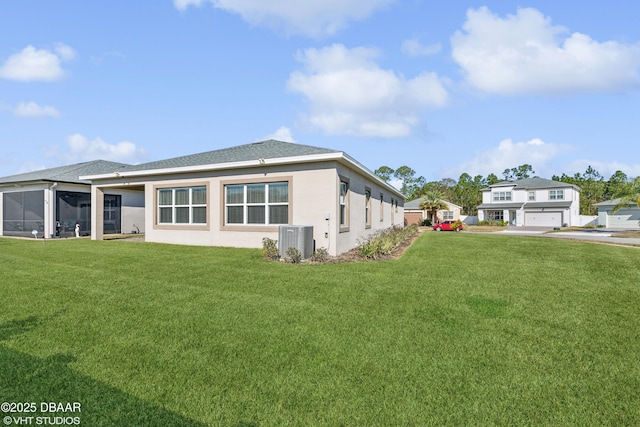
(296, 236)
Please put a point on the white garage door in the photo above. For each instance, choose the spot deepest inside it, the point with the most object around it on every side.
(624, 218)
(543, 219)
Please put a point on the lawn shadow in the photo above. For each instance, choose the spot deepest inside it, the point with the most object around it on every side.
(26, 378)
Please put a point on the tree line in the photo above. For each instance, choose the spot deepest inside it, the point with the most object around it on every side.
(467, 190)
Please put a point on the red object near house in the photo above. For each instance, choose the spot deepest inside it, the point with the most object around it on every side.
(448, 225)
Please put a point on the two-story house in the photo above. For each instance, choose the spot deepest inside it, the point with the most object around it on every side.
(531, 202)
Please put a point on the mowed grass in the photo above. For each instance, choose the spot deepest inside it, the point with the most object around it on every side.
(464, 329)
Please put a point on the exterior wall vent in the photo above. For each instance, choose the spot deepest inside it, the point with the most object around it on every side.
(296, 236)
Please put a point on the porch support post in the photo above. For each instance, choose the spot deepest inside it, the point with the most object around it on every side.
(97, 213)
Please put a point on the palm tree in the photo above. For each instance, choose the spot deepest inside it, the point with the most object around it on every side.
(630, 196)
(432, 203)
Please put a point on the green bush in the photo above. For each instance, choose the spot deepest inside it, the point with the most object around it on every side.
(320, 255)
(270, 249)
(293, 256)
(426, 223)
(385, 242)
(493, 223)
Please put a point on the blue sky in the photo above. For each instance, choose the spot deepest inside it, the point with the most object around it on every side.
(442, 87)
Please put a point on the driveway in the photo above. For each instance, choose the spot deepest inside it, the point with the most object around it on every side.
(602, 235)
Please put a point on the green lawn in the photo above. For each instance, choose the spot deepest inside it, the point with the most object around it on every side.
(464, 329)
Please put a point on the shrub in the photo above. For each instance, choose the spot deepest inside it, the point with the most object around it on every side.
(385, 241)
(293, 256)
(270, 249)
(493, 223)
(320, 255)
(426, 223)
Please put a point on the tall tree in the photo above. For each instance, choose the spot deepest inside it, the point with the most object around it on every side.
(467, 193)
(592, 190)
(384, 173)
(492, 178)
(631, 196)
(616, 185)
(520, 172)
(410, 183)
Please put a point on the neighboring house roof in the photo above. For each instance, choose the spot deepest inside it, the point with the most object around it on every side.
(614, 202)
(67, 174)
(532, 184)
(269, 152)
(415, 204)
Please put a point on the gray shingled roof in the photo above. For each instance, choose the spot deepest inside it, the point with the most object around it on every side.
(66, 173)
(269, 149)
(613, 202)
(531, 184)
(415, 203)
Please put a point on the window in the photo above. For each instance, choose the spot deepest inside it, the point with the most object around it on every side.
(501, 196)
(183, 205)
(392, 211)
(495, 215)
(344, 204)
(532, 196)
(257, 204)
(447, 215)
(556, 194)
(367, 208)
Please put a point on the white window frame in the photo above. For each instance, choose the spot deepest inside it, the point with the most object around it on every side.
(245, 204)
(531, 196)
(344, 193)
(173, 207)
(556, 194)
(447, 215)
(499, 196)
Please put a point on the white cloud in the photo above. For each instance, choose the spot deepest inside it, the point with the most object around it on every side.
(65, 52)
(81, 149)
(509, 154)
(31, 109)
(312, 18)
(525, 53)
(413, 47)
(349, 94)
(281, 134)
(31, 64)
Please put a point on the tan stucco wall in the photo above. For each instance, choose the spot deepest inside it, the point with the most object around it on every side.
(314, 189)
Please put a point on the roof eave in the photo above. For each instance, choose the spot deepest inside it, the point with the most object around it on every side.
(312, 158)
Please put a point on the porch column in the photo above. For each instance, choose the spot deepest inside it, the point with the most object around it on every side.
(49, 211)
(97, 213)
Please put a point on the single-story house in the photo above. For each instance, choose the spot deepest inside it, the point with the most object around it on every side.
(628, 218)
(414, 215)
(531, 202)
(52, 201)
(239, 195)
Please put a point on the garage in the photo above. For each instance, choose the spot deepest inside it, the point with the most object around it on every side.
(543, 219)
(411, 218)
(624, 218)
